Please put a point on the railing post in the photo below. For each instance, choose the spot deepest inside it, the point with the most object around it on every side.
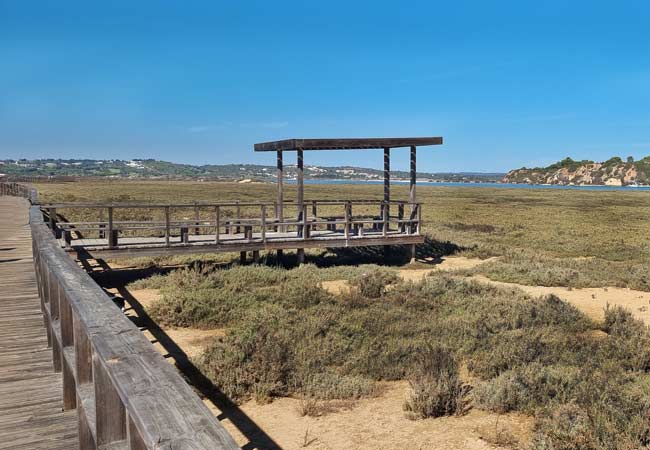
(263, 231)
(111, 236)
(185, 235)
(67, 349)
(110, 412)
(238, 217)
(54, 317)
(348, 214)
(52, 213)
(217, 213)
(385, 213)
(102, 231)
(305, 223)
(67, 237)
(167, 226)
(84, 370)
(400, 217)
(197, 218)
(275, 211)
(417, 230)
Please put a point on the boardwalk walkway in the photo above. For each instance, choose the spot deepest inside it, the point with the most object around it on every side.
(31, 414)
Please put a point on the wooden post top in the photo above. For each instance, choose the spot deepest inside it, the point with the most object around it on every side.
(346, 144)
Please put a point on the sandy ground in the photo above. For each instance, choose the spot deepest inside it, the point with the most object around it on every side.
(448, 264)
(379, 423)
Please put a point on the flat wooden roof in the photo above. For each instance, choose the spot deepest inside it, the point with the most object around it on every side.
(345, 144)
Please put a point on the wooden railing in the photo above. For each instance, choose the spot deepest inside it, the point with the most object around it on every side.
(229, 218)
(18, 190)
(126, 395)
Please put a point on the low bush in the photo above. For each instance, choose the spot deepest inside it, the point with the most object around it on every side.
(569, 428)
(527, 388)
(373, 283)
(437, 389)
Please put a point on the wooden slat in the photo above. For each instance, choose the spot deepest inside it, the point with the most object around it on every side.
(31, 402)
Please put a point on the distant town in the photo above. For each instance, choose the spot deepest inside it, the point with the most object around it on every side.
(155, 169)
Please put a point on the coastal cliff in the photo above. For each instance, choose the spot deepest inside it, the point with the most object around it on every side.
(613, 172)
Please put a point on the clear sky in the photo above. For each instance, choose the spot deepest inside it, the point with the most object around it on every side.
(507, 83)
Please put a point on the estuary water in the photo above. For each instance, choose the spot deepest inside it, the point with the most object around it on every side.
(484, 185)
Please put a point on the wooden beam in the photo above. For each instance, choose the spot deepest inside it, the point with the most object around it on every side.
(346, 144)
(412, 197)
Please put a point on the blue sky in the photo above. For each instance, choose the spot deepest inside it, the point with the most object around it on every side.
(507, 83)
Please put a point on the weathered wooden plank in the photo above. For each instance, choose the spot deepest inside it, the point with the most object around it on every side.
(31, 415)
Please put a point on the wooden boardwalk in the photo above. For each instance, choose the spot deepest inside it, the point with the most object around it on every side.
(31, 414)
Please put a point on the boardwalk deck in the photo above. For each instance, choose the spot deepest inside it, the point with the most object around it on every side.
(31, 414)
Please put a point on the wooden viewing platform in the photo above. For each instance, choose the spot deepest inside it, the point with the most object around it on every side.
(132, 229)
(31, 415)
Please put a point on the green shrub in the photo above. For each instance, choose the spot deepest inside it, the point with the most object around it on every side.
(436, 386)
(373, 283)
(333, 386)
(569, 428)
(630, 338)
(256, 357)
(527, 388)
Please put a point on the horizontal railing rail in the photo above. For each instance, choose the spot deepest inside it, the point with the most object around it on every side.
(125, 393)
(123, 205)
(240, 221)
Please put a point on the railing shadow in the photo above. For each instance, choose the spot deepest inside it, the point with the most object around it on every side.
(257, 438)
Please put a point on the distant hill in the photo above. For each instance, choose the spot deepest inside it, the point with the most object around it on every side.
(613, 172)
(151, 168)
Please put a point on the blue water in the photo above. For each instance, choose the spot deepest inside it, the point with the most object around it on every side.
(485, 185)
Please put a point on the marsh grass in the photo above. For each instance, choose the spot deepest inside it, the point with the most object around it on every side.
(287, 336)
(613, 226)
(526, 267)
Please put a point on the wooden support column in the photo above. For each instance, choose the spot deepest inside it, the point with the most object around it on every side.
(412, 196)
(385, 210)
(386, 175)
(301, 188)
(280, 198)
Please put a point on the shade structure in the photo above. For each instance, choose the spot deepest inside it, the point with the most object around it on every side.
(300, 145)
(346, 143)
